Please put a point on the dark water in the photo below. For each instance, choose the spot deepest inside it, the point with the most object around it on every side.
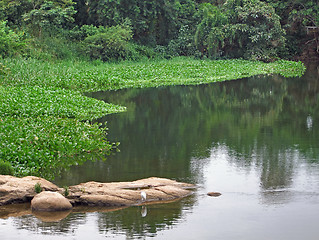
(254, 140)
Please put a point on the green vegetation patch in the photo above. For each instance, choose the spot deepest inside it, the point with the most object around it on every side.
(37, 146)
(96, 76)
(38, 101)
(43, 109)
(43, 129)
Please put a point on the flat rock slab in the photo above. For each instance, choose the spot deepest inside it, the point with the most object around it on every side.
(21, 190)
(115, 194)
(128, 193)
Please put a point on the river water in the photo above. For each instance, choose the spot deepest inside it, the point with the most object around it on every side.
(254, 140)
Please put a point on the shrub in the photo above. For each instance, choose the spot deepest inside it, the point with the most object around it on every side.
(137, 52)
(6, 168)
(110, 43)
(3, 69)
(37, 188)
(66, 191)
(11, 43)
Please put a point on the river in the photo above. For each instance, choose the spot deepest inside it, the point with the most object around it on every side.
(254, 140)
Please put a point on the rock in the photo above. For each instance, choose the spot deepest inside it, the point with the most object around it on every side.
(128, 193)
(116, 194)
(21, 190)
(49, 202)
(214, 194)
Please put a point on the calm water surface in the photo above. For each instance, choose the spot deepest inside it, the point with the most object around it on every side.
(254, 140)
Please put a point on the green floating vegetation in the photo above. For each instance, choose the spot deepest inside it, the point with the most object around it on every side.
(43, 112)
(36, 146)
(38, 101)
(97, 76)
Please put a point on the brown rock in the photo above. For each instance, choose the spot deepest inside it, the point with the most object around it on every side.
(214, 194)
(128, 193)
(105, 200)
(16, 190)
(20, 190)
(49, 202)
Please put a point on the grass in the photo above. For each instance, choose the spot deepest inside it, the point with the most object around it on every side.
(44, 114)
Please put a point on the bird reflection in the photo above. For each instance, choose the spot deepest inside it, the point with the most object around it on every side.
(144, 211)
(309, 122)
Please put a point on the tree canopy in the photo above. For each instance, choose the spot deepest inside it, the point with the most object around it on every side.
(251, 29)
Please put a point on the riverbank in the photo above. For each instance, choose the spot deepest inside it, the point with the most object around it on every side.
(43, 115)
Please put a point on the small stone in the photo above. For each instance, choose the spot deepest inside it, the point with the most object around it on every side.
(214, 194)
(50, 202)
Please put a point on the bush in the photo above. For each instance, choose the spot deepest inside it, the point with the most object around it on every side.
(110, 43)
(11, 43)
(37, 188)
(6, 168)
(3, 69)
(138, 52)
(52, 48)
(66, 191)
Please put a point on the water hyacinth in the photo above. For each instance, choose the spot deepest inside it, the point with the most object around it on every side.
(89, 77)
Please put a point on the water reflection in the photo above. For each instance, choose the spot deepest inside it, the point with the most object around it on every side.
(254, 140)
(262, 120)
(144, 211)
(133, 222)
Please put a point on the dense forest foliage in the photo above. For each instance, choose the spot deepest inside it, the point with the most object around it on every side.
(127, 29)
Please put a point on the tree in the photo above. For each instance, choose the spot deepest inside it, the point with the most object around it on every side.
(239, 28)
(210, 33)
(256, 28)
(50, 17)
(153, 22)
(300, 19)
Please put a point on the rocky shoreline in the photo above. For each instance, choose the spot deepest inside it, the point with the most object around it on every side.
(52, 198)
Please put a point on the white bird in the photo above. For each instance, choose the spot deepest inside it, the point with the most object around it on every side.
(143, 196)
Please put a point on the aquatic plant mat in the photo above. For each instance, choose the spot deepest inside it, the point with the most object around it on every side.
(46, 121)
